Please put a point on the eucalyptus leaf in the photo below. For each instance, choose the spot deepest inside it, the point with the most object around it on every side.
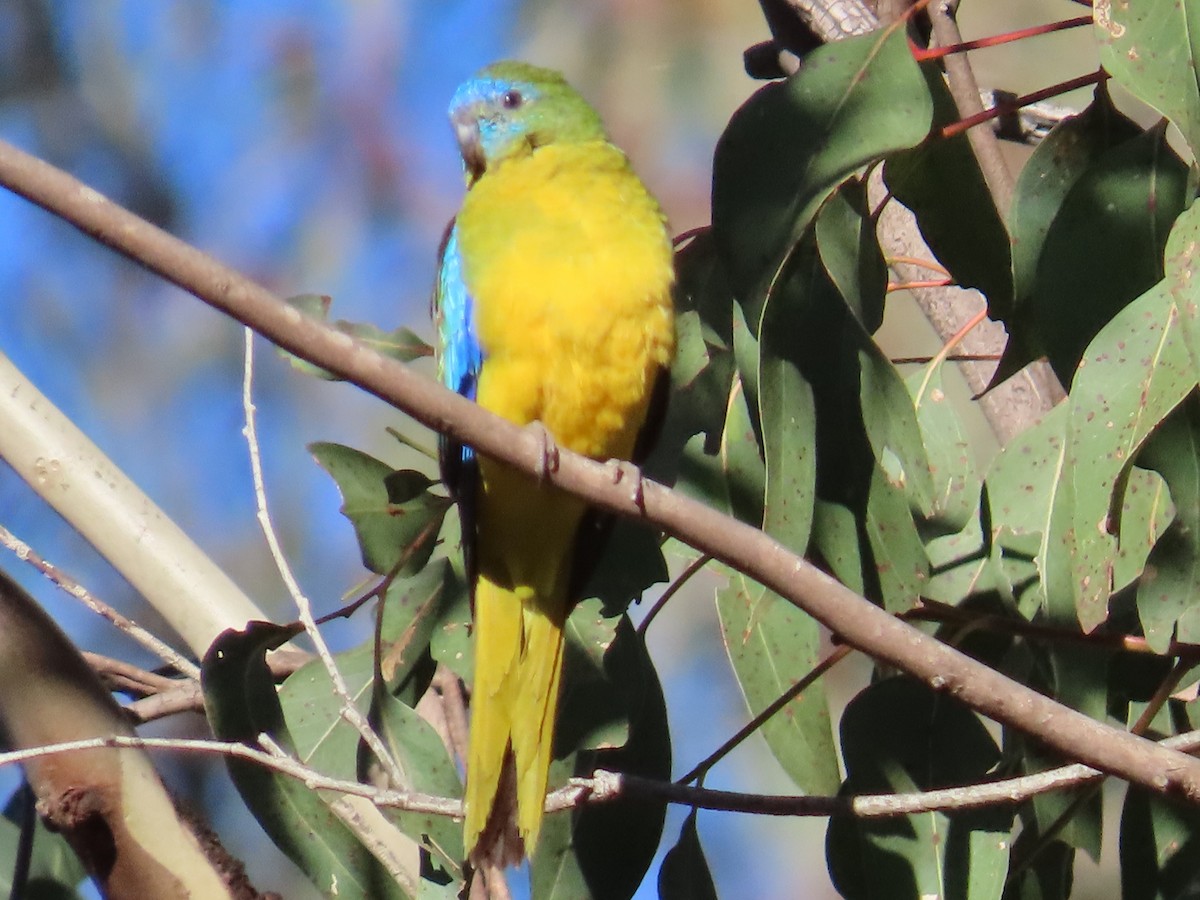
(242, 704)
(402, 344)
(395, 515)
(684, 874)
(1152, 49)
(792, 143)
(771, 645)
(898, 735)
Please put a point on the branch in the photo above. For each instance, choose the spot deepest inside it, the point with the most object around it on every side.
(965, 90)
(109, 804)
(137, 538)
(604, 786)
(162, 650)
(858, 621)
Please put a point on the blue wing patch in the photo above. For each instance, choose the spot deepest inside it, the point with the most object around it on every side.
(459, 355)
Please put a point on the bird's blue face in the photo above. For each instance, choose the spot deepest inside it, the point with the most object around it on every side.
(491, 118)
(512, 108)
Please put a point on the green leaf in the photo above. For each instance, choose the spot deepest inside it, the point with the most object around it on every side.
(395, 516)
(954, 482)
(1168, 593)
(402, 344)
(850, 252)
(1050, 876)
(793, 142)
(898, 735)
(592, 711)
(703, 365)
(241, 702)
(684, 873)
(413, 609)
(1136, 370)
(789, 430)
(892, 427)
(835, 535)
(941, 182)
(1125, 202)
(771, 645)
(421, 755)
(1159, 855)
(325, 741)
(54, 869)
(1067, 153)
(901, 566)
(744, 475)
(1151, 48)
(1023, 489)
(603, 850)
(451, 643)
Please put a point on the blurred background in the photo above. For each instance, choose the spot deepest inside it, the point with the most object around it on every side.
(306, 144)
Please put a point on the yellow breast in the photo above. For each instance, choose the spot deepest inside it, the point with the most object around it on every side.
(569, 262)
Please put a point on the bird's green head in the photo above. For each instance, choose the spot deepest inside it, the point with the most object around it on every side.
(510, 109)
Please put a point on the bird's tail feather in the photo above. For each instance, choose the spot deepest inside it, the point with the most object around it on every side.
(518, 668)
(536, 710)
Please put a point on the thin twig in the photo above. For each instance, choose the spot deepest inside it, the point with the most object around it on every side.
(965, 90)
(672, 589)
(953, 357)
(159, 648)
(996, 40)
(1006, 107)
(932, 611)
(349, 710)
(1050, 833)
(604, 786)
(701, 768)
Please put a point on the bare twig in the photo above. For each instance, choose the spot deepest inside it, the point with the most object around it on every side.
(349, 711)
(701, 768)
(604, 786)
(672, 589)
(159, 648)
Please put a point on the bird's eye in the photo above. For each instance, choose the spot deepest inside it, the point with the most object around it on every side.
(512, 99)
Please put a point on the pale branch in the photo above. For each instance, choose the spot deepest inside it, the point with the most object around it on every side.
(604, 786)
(859, 622)
(348, 709)
(148, 640)
(85, 487)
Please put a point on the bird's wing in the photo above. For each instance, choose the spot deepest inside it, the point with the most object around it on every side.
(459, 360)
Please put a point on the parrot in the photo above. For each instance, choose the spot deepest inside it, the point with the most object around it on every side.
(553, 305)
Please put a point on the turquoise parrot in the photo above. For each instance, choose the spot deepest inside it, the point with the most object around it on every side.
(553, 305)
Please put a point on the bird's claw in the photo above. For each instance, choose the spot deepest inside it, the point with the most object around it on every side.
(547, 463)
(622, 470)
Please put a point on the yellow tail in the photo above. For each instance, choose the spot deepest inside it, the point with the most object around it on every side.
(526, 540)
(518, 667)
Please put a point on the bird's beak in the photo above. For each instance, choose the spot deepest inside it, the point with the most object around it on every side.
(470, 144)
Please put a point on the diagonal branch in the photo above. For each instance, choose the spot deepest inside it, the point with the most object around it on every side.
(859, 622)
